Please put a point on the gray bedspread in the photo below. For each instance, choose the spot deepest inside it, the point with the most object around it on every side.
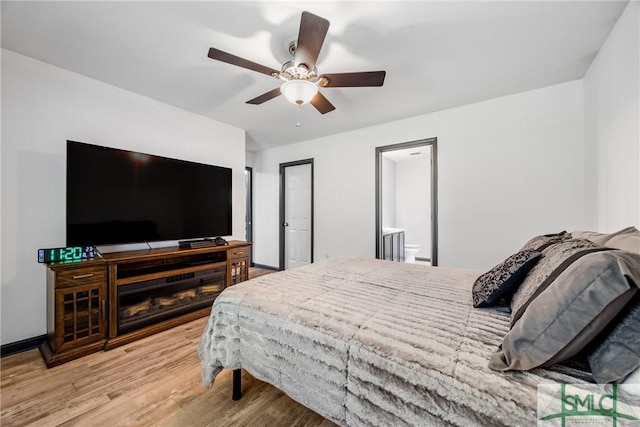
(370, 342)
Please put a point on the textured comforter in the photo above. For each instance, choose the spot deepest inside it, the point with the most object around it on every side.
(371, 342)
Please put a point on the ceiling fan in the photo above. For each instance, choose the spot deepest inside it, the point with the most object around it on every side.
(300, 75)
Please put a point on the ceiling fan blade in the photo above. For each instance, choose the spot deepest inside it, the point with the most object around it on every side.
(322, 104)
(240, 62)
(366, 78)
(313, 30)
(265, 97)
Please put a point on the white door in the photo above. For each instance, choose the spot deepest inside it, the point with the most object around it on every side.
(297, 215)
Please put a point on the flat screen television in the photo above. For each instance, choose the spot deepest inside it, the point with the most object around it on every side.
(117, 197)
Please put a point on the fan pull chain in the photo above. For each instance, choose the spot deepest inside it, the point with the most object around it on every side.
(298, 117)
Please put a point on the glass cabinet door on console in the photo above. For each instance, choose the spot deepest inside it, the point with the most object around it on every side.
(76, 310)
(238, 265)
(81, 316)
(239, 270)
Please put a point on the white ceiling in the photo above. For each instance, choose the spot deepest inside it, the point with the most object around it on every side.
(437, 54)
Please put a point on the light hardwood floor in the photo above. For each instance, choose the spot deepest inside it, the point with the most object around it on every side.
(151, 382)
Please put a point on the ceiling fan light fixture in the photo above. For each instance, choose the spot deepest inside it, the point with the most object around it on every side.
(300, 75)
(299, 92)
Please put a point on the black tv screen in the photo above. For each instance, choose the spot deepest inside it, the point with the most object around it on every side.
(118, 196)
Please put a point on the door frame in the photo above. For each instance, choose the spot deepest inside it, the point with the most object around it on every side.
(248, 222)
(283, 166)
(433, 143)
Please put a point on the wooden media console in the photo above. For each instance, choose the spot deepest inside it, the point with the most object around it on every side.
(104, 303)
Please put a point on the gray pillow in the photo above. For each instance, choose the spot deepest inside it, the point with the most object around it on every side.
(605, 241)
(618, 355)
(629, 241)
(571, 312)
(555, 259)
(593, 236)
(502, 280)
(538, 243)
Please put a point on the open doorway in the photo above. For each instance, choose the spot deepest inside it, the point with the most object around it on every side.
(407, 202)
(248, 220)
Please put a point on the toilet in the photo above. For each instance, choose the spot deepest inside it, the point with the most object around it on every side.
(410, 252)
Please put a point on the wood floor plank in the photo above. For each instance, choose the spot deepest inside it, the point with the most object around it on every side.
(151, 382)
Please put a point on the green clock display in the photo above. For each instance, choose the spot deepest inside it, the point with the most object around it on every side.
(67, 254)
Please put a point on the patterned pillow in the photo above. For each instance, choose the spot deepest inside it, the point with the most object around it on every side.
(503, 279)
(538, 243)
(555, 259)
(618, 355)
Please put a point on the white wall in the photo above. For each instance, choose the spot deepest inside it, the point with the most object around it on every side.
(413, 202)
(42, 107)
(509, 168)
(388, 191)
(250, 158)
(612, 128)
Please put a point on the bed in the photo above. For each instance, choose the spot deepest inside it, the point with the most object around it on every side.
(371, 342)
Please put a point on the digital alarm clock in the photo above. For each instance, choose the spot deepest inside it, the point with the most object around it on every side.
(67, 254)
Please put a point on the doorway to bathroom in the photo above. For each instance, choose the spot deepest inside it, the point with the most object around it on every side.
(407, 202)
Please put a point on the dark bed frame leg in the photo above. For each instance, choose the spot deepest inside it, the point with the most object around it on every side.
(236, 394)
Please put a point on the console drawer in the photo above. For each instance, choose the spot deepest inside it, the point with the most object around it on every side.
(241, 252)
(81, 276)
